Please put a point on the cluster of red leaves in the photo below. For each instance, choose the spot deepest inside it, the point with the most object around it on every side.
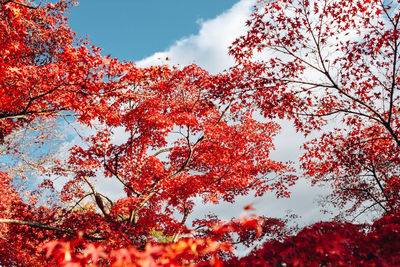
(245, 231)
(20, 243)
(45, 69)
(362, 165)
(332, 244)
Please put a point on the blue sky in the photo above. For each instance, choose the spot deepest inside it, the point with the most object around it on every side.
(135, 29)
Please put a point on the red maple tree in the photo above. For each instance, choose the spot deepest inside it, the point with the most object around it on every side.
(332, 63)
(331, 67)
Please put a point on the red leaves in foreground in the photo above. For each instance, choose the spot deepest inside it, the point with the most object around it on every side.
(333, 244)
(324, 243)
(207, 251)
(183, 252)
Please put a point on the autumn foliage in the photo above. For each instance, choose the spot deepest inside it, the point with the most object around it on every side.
(168, 136)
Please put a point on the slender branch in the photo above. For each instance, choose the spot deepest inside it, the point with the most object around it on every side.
(370, 195)
(21, 115)
(76, 204)
(137, 193)
(393, 83)
(33, 98)
(364, 210)
(162, 151)
(367, 141)
(47, 227)
(374, 174)
(185, 215)
(97, 197)
(290, 53)
(315, 85)
(135, 213)
(387, 14)
(19, 3)
(37, 225)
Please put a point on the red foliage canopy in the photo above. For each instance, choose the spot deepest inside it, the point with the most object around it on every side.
(169, 135)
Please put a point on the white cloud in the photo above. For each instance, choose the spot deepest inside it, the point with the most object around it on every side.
(209, 47)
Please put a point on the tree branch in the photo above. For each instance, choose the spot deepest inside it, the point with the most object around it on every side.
(20, 4)
(47, 227)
